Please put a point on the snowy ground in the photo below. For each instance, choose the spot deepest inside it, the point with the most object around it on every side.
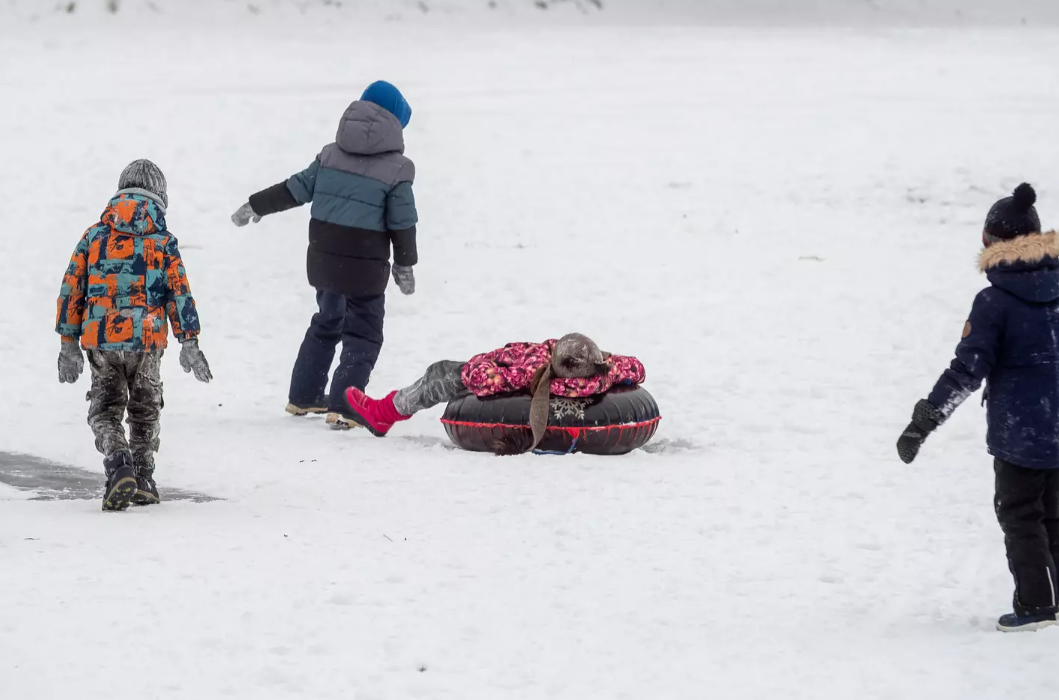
(782, 225)
(782, 13)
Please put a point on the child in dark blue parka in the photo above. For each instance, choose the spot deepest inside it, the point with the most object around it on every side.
(1011, 341)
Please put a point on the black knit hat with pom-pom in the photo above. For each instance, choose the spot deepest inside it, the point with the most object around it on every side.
(1012, 216)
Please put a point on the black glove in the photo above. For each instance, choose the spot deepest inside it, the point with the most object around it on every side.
(405, 279)
(244, 215)
(71, 362)
(192, 360)
(925, 420)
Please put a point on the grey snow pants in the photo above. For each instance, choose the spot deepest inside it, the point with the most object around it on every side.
(126, 381)
(441, 383)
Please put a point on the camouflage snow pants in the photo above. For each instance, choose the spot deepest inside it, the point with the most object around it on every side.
(120, 381)
(439, 384)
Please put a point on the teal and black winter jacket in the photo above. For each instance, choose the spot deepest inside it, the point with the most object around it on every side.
(360, 187)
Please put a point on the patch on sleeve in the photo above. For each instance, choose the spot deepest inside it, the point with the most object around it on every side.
(966, 329)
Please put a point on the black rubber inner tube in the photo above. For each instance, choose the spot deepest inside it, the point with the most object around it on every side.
(615, 423)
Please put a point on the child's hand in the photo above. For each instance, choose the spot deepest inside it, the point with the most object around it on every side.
(192, 360)
(71, 362)
(925, 420)
(405, 279)
(244, 215)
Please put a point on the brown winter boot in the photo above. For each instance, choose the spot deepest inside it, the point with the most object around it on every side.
(336, 421)
(313, 409)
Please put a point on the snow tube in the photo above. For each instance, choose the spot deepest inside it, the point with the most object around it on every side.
(615, 423)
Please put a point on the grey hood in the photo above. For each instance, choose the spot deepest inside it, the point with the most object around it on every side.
(367, 129)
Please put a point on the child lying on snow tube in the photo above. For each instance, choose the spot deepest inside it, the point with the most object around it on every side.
(572, 366)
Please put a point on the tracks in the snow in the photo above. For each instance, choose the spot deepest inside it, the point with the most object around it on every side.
(49, 481)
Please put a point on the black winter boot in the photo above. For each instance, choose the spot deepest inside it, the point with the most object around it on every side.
(146, 490)
(121, 481)
(1013, 622)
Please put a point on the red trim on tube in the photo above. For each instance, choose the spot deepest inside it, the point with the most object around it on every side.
(572, 430)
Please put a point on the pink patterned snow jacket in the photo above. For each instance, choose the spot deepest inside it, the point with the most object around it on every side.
(511, 368)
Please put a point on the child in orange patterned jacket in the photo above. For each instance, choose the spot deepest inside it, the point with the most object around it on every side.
(125, 277)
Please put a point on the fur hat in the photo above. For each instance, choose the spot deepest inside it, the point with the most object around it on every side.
(1012, 217)
(144, 175)
(574, 355)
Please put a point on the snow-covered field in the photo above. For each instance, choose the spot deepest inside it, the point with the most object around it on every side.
(1007, 13)
(781, 224)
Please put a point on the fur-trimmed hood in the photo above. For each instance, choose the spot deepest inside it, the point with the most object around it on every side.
(1024, 249)
(1027, 266)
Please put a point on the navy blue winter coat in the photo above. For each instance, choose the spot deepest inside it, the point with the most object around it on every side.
(1012, 342)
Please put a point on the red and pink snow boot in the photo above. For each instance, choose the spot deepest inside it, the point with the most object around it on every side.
(377, 415)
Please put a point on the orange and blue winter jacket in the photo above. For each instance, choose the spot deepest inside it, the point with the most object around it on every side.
(124, 278)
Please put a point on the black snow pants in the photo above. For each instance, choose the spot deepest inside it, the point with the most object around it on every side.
(126, 381)
(1027, 506)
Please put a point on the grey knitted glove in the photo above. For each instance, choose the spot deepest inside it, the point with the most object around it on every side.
(244, 215)
(192, 360)
(925, 420)
(71, 362)
(405, 279)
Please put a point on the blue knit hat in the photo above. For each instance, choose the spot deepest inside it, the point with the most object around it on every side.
(389, 98)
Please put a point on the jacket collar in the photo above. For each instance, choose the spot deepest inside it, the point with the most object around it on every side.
(143, 193)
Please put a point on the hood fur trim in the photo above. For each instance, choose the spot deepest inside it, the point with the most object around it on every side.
(1024, 249)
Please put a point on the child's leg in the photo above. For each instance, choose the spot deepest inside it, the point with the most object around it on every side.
(1020, 509)
(441, 383)
(145, 408)
(309, 379)
(107, 400)
(361, 343)
(1051, 518)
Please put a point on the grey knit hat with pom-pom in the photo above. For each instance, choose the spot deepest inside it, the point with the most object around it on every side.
(144, 175)
(1012, 216)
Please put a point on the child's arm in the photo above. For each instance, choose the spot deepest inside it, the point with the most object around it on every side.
(975, 358)
(292, 192)
(402, 217)
(622, 371)
(180, 307)
(975, 355)
(71, 305)
(179, 304)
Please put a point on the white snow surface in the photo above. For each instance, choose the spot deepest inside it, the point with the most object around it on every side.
(782, 224)
(639, 12)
